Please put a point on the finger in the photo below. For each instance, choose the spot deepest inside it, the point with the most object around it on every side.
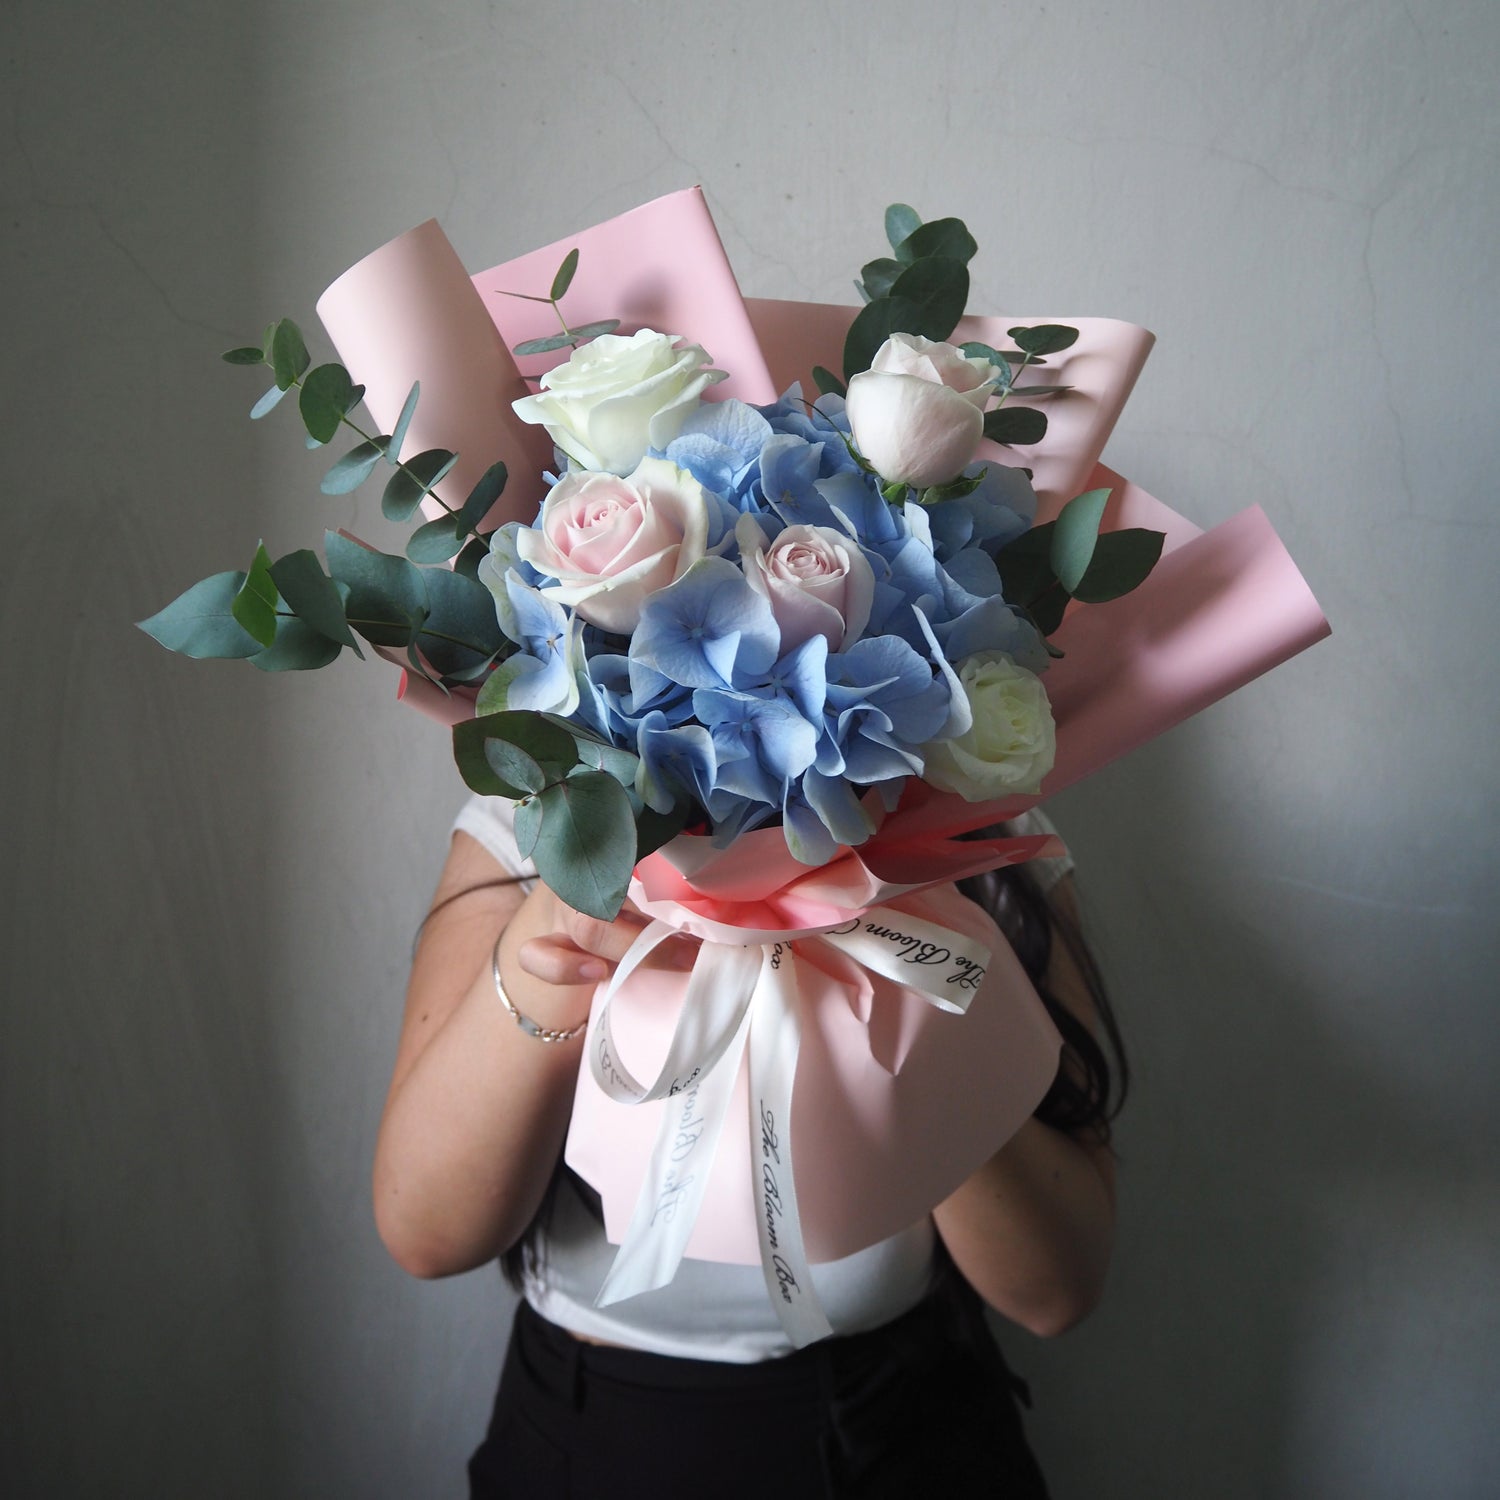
(556, 960)
(607, 940)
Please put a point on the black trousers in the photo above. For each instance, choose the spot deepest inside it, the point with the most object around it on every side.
(922, 1407)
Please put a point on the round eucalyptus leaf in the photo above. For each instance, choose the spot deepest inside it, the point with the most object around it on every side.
(352, 469)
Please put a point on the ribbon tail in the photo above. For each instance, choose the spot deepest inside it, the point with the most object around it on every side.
(775, 1038)
(677, 1174)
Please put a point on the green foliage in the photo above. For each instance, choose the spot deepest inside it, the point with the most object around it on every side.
(313, 597)
(921, 288)
(200, 621)
(1069, 558)
(353, 468)
(827, 382)
(398, 432)
(413, 482)
(328, 395)
(564, 278)
(387, 598)
(297, 647)
(1044, 338)
(901, 222)
(254, 607)
(289, 356)
(1015, 424)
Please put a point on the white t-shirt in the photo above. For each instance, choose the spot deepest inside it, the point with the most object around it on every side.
(709, 1310)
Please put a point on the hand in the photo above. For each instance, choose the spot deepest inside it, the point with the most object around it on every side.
(578, 950)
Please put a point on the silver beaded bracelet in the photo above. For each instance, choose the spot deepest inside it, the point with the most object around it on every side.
(530, 1027)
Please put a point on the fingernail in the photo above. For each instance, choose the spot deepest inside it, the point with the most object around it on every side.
(593, 969)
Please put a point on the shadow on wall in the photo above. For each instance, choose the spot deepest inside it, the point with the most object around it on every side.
(1303, 1300)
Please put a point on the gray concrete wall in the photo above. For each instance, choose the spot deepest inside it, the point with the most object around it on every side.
(212, 878)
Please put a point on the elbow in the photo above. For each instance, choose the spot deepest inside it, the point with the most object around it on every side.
(1056, 1315)
(416, 1239)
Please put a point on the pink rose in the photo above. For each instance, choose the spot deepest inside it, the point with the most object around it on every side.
(816, 580)
(611, 543)
(917, 414)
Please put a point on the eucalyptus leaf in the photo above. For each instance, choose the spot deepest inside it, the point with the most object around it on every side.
(527, 825)
(1075, 535)
(1121, 562)
(621, 764)
(594, 330)
(461, 629)
(267, 403)
(387, 595)
(948, 238)
(544, 346)
(409, 485)
(564, 278)
(289, 356)
(467, 562)
(481, 499)
(495, 690)
(297, 648)
(480, 669)
(1048, 608)
(352, 469)
(585, 851)
(1025, 565)
(529, 731)
(879, 276)
(313, 596)
(873, 324)
(938, 286)
(514, 766)
(398, 432)
(1044, 338)
(200, 621)
(653, 829)
(254, 605)
(975, 350)
(1040, 390)
(1015, 424)
(247, 354)
(827, 382)
(901, 222)
(435, 541)
(328, 395)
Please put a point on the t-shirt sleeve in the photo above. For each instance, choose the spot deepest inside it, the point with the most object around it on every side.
(492, 822)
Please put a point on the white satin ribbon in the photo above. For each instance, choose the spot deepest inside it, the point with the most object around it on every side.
(738, 993)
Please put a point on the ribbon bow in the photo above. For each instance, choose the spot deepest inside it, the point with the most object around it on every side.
(745, 995)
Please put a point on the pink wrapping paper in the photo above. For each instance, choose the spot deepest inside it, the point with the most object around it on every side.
(895, 1102)
(409, 311)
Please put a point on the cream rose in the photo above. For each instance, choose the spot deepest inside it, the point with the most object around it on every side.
(612, 542)
(816, 580)
(1012, 742)
(917, 414)
(616, 397)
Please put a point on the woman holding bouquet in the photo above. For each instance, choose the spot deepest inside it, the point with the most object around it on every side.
(696, 1382)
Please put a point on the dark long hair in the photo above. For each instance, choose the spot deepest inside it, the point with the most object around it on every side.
(1091, 1082)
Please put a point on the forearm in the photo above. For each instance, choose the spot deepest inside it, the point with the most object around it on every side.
(473, 1127)
(1032, 1230)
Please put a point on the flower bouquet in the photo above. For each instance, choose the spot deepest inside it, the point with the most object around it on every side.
(766, 663)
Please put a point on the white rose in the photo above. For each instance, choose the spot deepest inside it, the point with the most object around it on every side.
(816, 580)
(1012, 743)
(612, 543)
(616, 397)
(917, 414)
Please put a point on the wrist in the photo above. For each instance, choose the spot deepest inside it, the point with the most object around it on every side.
(541, 1028)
